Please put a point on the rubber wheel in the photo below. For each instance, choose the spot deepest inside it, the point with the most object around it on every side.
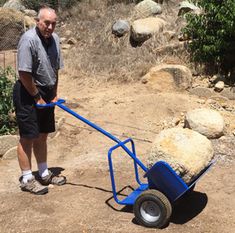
(152, 209)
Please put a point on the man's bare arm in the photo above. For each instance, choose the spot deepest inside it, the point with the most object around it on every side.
(27, 81)
(56, 88)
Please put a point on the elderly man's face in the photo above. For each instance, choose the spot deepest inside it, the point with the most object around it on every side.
(46, 23)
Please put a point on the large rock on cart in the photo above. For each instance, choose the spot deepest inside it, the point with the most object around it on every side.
(186, 151)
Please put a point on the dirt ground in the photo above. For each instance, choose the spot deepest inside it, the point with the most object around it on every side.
(85, 203)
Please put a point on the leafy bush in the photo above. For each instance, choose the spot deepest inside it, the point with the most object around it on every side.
(2, 2)
(212, 33)
(7, 119)
(55, 4)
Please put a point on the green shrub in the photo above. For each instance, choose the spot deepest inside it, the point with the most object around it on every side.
(212, 33)
(7, 118)
(2, 2)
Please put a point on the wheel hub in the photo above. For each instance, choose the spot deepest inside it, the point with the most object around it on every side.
(150, 211)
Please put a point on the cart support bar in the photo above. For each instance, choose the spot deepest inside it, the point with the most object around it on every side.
(119, 142)
(88, 122)
(60, 102)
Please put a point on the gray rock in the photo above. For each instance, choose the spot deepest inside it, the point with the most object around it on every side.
(201, 91)
(14, 4)
(219, 86)
(229, 93)
(147, 8)
(185, 7)
(120, 27)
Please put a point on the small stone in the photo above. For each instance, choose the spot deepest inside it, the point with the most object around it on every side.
(219, 86)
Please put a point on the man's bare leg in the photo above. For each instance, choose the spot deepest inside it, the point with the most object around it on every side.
(28, 182)
(24, 152)
(40, 152)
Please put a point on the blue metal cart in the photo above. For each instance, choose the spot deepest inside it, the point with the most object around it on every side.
(152, 201)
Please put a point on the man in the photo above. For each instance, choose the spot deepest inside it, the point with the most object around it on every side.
(39, 60)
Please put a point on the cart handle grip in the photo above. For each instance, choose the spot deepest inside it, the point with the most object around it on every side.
(52, 104)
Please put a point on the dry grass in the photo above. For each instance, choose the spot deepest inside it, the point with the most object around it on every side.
(99, 53)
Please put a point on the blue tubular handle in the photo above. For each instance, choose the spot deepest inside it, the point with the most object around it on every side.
(60, 102)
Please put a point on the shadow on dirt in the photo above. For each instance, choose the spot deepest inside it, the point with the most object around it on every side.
(89, 186)
(110, 201)
(55, 170)
(186, 208)
(120, 196)
(189, 207)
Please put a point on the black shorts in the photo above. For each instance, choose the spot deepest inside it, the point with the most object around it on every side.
(32, 120)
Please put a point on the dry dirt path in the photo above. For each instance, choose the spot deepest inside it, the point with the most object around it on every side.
(85, 204)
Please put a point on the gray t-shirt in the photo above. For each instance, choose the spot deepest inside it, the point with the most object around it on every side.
(41, 59)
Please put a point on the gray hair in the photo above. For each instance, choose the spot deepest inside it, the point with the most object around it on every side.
(42, 9)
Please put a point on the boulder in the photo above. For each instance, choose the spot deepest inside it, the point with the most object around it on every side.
(120, 27)
(219, 86)
(159, 81)
(186, 151)
(169, 77)
(206, 121)
(143, 29)
(13, 24)
(201, 91)
(146, 8)
(185, 7)
(14, 4)
(11, 28)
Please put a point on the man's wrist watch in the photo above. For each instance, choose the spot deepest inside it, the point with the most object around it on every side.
(36, 96)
